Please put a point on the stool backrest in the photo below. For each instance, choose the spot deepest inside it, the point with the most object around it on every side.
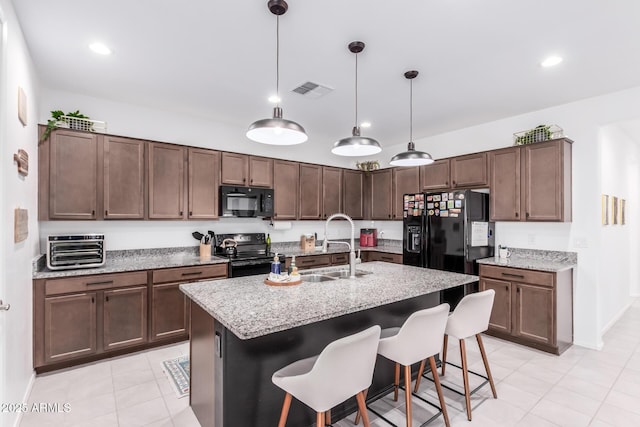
(472, 314)
(419, 337)
(344, 368)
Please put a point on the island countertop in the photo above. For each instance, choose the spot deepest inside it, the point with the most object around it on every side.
(250, 309)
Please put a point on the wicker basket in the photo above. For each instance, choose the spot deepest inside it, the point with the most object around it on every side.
(77, 123)
(537, 134)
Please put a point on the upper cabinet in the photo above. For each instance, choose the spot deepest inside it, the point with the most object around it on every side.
(123, 173)
(310, 200)
(469, 171)
(204, 180)
(379, 198)
(435, 176)
(286, 176)
(405, 181)
(353, 184)
(532, 182)
(331, 191)
(243, 170)
(166, 181)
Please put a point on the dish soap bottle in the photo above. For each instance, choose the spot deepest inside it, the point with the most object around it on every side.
(268, 243)
(275, 265)
(292, 266)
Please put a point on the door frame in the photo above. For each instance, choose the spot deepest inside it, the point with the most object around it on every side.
(3, 208)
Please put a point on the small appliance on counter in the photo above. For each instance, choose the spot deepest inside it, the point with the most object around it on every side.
(247, 253)
(368, 237)
(67, 252)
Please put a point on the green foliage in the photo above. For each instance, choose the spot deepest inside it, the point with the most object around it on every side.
(538, 134)
(56, 116)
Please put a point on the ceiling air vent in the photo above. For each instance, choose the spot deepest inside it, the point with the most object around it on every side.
(312, 90)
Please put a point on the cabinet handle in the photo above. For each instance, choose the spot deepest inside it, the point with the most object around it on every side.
(520, 276)
(193, 273)
(104, 282)
(244, 180)
(386, 258)
(506, 287)
(389, 215)
(527, 214)
(181, 213)
(93, 213)
(454, 183)
(93, 300)
(517, 290)
(190, 213)
(106, 213)
(252, 181)
(516, 214)
(106, 298)
(446, 183)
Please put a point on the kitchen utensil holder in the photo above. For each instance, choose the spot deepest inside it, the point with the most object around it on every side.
(205, 251)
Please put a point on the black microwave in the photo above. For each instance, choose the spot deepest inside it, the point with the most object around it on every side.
(245, 202)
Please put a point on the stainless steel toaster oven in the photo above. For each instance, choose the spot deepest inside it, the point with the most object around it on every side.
(67, 252)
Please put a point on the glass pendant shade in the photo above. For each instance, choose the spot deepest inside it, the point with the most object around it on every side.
(356, 145)
(277, 131)
(411, 157)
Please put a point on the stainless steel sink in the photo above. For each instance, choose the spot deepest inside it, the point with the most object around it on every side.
(344, 274)
(316, 277)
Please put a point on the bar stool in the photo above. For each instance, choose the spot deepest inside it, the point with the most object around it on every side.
(418, 339)
(342, 370)
(471, 317)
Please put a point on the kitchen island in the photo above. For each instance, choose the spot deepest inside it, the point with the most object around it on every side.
(243, 330)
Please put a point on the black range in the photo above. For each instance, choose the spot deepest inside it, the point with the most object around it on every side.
(251, 255)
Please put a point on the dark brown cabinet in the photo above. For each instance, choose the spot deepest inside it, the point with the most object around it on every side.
(405, 181)
(166, 181)
(505, 184)
(124, 317)
(170, 315)
(286, 176)
(244, 170)
(331, 191)
(370, 256)
(204, 172)
(469, 171)
(531, 182)
(533, 308)
(353, 191)
(69, 173)
(380, 197)
(310, 200)
(123, 178)
(435, 176)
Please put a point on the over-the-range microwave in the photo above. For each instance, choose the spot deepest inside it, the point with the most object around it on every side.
(245, 202)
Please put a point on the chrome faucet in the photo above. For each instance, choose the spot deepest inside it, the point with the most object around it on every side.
(352, 253)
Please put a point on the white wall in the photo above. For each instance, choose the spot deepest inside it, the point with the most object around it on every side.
(16, 191)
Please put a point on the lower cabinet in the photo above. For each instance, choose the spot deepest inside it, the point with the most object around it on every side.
(124, 317)
(370, 256)
(533, 308)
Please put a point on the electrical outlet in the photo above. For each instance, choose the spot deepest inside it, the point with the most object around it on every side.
(580, 242)
(531, 238)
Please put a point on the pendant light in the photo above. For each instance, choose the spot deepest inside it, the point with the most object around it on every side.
(356, 145)
(411, 157)
(276, 130)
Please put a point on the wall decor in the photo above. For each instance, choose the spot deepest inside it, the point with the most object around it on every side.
(22, 159)
(605, 209)
(22, 106)
(20, 225)
(621, 211)
(614, 210)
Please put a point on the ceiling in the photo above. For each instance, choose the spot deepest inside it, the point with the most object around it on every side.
(478, 60)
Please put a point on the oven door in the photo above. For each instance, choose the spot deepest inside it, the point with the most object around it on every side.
(249, 268)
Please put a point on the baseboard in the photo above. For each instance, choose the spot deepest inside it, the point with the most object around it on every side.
(25, 398)
(615, 319)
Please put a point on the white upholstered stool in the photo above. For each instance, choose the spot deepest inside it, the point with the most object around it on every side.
(343, 369)
(471, 317)
(418, 339)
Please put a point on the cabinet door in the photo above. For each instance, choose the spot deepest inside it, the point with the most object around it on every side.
(331, 191)
(505, 185)
(204, 172)
(381, 197)
(310, 192)
(123, 170)
(73, 175)
(125, 317)
(352, 195)
(285, 188)
(166, 181)
(169, 312)
(436, 175)
(235, 169)
(405, 180)
(543, 182)
(313, 261)
(469, 171)
(534, 313)
(500, 319)
(69, 326)
(260, 172)
(384, 257)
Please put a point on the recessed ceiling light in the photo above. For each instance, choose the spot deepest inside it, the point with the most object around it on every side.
(100, 48)
(365, 124)
(551, 61)
(274, 99)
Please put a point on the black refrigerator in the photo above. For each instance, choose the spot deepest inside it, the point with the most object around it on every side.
(447, 231)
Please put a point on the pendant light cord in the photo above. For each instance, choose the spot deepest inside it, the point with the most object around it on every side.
(278, 59)
(356, 124)
(411, 110)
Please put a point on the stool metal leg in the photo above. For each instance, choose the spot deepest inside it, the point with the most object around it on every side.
(444, 352)
(407, 389)
(285, 410)
(420, 371)
(396, 383)
(486, 366)
(360, 397)
(465, 377)
(327, 417)
(436, 380)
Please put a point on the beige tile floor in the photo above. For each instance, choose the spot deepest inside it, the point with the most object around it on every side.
(580, 388)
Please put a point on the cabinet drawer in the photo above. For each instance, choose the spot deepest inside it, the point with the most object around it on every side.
(535, 277)
(190, 274)
(313, 261)
(382, 256)
(96, 282)
(337, 259)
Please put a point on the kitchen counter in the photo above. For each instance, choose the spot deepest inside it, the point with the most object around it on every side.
(131, 260)
(533, 259)
(293, 248)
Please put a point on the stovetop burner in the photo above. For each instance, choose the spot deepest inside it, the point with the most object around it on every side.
(250, 247)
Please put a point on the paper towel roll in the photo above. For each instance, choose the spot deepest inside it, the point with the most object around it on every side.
(281, 225)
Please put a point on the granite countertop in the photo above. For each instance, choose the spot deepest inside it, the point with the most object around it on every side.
(293, 248)
(533, 259)
(249, 308)
(131, 260)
